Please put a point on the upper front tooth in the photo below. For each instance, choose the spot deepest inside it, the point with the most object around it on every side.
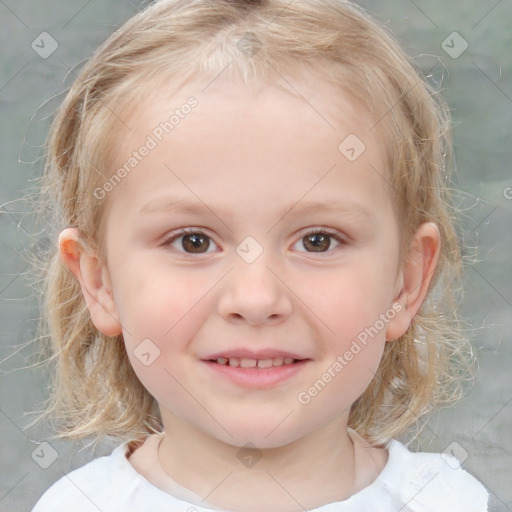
(248, 363)
(234, 361)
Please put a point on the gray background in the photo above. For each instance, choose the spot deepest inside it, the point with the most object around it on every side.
(478, 88)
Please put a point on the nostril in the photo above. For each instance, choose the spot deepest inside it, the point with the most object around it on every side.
(255, 318)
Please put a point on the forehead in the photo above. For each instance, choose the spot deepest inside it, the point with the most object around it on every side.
(286, 131)
(305, 94)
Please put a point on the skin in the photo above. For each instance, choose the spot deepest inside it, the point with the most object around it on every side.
(249, 157)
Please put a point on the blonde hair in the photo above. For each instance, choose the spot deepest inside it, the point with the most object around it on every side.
(95, 391)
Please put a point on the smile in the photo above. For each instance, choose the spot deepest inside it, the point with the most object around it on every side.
(254, 373)
(244, 362)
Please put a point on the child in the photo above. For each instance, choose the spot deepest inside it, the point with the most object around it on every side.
(253, 211)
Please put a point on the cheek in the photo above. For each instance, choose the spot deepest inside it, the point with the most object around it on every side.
(162, 326)
(161, 315)
(344, 379)
(352, 333)
(348, 300)
(350, 309)
(158, 305)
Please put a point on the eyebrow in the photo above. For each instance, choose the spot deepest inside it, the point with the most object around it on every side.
(346, 208)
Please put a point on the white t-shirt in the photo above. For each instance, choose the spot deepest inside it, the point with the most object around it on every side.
(409, 482)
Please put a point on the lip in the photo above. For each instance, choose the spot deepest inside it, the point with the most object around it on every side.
(256, 377)
(250, 354)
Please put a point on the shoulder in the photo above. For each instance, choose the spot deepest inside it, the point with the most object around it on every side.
(107, 483)
(83, 487)
(432, 481)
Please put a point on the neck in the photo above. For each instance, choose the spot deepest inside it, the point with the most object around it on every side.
(306, 473)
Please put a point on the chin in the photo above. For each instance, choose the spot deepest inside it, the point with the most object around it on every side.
(261, 433)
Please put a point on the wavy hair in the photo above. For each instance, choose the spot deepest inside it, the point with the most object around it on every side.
(95, 391)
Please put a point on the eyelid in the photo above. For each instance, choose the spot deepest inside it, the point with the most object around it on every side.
(339, 238)
(319, 229)
(171, 237)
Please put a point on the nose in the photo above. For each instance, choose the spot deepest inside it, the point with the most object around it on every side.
(254, 294)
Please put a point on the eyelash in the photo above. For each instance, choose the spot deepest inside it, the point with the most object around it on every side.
(321, 231)
(198, 231)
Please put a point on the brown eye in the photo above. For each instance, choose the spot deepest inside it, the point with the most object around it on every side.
(195, 243)
(317, 242)
(191, 242)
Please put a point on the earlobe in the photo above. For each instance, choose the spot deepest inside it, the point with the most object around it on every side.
(93, 276)
(418, 272)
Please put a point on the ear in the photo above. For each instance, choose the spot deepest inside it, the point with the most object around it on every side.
(417, 274)
(94, 278)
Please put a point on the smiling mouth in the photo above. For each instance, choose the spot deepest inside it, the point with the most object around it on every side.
(263, 372)
(243, 362)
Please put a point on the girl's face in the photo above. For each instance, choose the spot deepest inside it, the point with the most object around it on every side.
(253, 254)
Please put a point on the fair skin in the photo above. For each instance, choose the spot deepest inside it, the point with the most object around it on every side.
(249, 158)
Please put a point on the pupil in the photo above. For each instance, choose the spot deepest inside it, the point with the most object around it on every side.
(318, 242)
(195, 243)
